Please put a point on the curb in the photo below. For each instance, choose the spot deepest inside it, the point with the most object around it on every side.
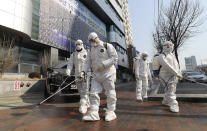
(182, 97)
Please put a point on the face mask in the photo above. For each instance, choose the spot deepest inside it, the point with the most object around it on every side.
(78, 47)
(167, 49)
(94, 44)
(144, 58)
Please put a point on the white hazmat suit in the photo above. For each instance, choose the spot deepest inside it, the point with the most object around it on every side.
(78, 59)
(142, 74)
(169, 72)
(101, 60)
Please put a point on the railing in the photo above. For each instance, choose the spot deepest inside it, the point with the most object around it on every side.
(26, 67)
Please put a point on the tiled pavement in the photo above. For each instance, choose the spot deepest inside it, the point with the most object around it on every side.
(62, 113)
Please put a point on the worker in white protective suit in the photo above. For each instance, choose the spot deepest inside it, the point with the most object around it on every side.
(78, 59)
(142, 74)
(169, 74)
(101, 60)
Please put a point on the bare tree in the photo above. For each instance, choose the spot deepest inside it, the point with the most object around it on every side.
(177, 23)
(7, 56)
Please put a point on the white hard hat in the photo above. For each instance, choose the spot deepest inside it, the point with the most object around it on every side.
(92, 36)
(145, 54)
(79, 41)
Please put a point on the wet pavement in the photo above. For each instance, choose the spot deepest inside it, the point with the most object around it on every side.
(188, 88)
(61, 114)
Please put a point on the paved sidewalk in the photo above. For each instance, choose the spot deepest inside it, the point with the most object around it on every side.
(62, 114)
(34, 98)
(18, 101)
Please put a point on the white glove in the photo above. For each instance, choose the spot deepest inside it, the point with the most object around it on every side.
(151, 81)
(180, 77)
(137, 77)
(68, 72)
(82, 75)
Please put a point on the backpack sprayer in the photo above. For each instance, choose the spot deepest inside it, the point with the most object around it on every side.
(156, 71)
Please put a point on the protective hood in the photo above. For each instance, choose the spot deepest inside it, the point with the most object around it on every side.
(168, 47)
(79, 45)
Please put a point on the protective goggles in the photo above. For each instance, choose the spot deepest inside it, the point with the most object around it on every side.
(77, 44)
(167, 45)
(93, 40)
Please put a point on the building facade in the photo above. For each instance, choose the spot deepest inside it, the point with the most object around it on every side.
(127, 23)
(190, 63)
(51, 27)
(131, 50)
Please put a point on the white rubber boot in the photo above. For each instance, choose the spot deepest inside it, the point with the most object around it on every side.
(174, 108)
(83, 109)
(110, 115)
(91, 116)
(145, 98)
(139, 99)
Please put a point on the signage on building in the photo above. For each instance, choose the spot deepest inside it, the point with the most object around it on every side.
(62, 22)
(16, 85)
(77, 8)
(65, 40)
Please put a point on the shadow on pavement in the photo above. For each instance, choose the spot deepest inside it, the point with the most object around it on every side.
(47, 112)
(179, 115)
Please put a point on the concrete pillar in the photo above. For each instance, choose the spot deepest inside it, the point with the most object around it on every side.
(53, 56)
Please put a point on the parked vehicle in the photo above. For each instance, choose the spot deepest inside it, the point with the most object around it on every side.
(195, 76)
(55, 76)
